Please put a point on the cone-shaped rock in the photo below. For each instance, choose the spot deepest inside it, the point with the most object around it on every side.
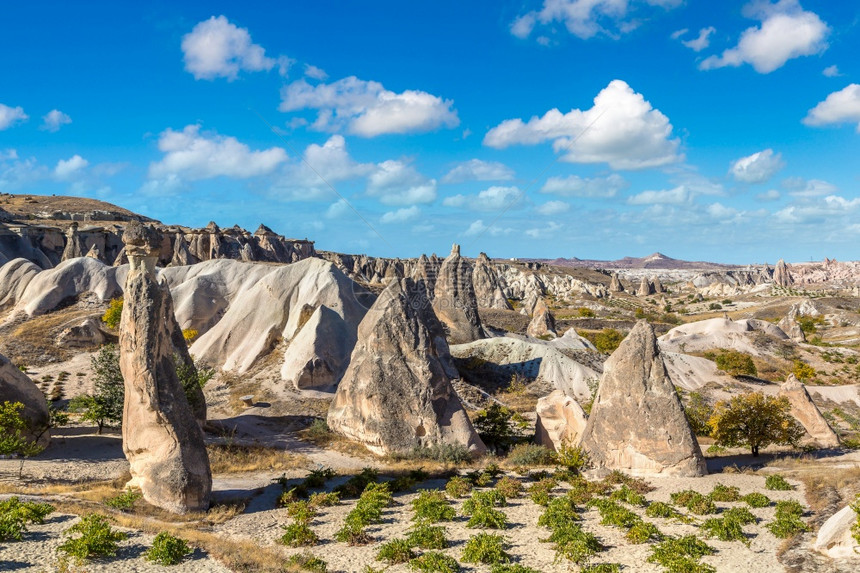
(543, 323)
(15, 386)
(637, 423)
(488, 285)
(807, 413)
(560, 421)
(396, 393)
(781, 275)
(454, 299)
(161, 440)
(645, 287)
(615, 285)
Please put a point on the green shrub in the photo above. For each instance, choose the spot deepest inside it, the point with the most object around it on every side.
(582, 490)
(509, 487)
(167, 550)
(660, 509)
(113, 314)
(395, 551)
(487, 548)
(855, 528)
(427, 537)
(541, 490)
(698, 412)
(777, 482)
(15, 515)
(571, 542)
(431, 506)
(642, 532)
(443, 453)
(292, 495)
(725, 493)
(317, 478)
(789, 508)
(625, 494)
(602, 568)
(607, 340)
(13, 428)
(785, 526)
(355, 485)
(298, 535)
(512, 568)
(96, 538)
(681, 555)
(724, 529)
(530, 455)
(735, 363)
(125, 500)
(499, 426)
(638, 485)
(324, 499)
(694, 501)
(613, 514)
(301, 511)
(486, 517)
(353, 534)
(740, 515)
(559, 511)
(434, 562)
(573, 458)
(756, 499)
(458, 486)
(489, 498)
(308, 562)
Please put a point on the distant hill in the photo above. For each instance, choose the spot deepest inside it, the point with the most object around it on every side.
(653, 261)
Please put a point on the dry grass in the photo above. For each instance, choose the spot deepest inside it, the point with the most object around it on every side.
(238, 458)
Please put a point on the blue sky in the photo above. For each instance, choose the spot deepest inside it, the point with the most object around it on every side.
(726, 131)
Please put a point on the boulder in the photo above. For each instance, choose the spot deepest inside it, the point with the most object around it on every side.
(781, 274)
(789, 325)
(637, 423)
(396, 394)
(835, 537)
(454, 299)
(543, 322)
(560, 421)
(807, 413)
(317, 356)
(86, 334)
(161, 439)
(15, 386)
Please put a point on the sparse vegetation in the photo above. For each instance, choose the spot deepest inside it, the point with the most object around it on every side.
(167, 550)
(755, 421)
(499, 426)
(395, 551)
(525, 455)
(434, 562)
(95, 538)
(487, 548)
(124, 501)
(777, 482)
(431, 506)
(113, 314)
(16, 514)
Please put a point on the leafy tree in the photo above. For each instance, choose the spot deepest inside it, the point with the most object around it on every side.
(803, 371)
(12, 428)
(104, 407)
(112, 315)
(607, 340)
(192, 376)
(499, 426)
(755, 421)
(736, 363)
(698, 412)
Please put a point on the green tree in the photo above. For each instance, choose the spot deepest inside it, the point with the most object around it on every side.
(736, 363)
(192, 376)
(112, 315)
(755, 421)
(499, 426)
(12, 428)
(104, 407)
(607, 340)
(803, 371)
(698, 412)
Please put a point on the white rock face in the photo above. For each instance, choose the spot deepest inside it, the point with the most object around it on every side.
(49, 288)
(14, 278)
(560, 421)
(835, 539)
(719, 333)
(15, 386)
(692, 372)
(319, 354)
(808, 414)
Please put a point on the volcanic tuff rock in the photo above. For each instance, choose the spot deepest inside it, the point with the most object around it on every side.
(488, 285)
(161, 440)
(835, 537)
(560, 421)
(781, 274)
(543, 322)
(807, 413)
(396, 394)
(454, 300)
(646, 287)
(714, 333)
(317, 356)
(15, 386)
(615, 285)
(637, 422)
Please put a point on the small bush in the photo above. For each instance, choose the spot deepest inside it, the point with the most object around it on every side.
(395, 551)
(489, 498)
(324, 499)
(756, 499)
(298, 535)
(725, 493)
(355, 485)
(512, 568)
(317, 478)
(431, 506)
(458, 486)
(486, 517)
(308, 562)
(776, 482)
(301, 511)
(627, 495)
(113, 314)
(352, 534)
(434, 562)
(789, 508)
(529, 455)
(642, 532)
(660, 509)
(682, 555)
(509, 487)
(638, 485)
(613, 514)
(486, 548)
(559, 512)
(167, 550)
(694, 501)
(499, 426)
(582, 490)
(427, 537)
(125, 500)
(539, 491)
(443, 453)
(785, 526)
(573, 458)
(15, 515)
(96, 538)
(571, 542)
(724, 529)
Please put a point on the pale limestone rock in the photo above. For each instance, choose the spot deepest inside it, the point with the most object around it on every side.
(488, 285)
(543, 322)
(396, 394)
(835, 539)
(86, 334)
(318, 355)
(455, 303)
(807, 413)
(15, 386)
(560, 421)
(645, 287)
(615, 285)
(637, 422)
(782, 275)
(161, 439)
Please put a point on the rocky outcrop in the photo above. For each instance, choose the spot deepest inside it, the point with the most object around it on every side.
(317, 356)
(835, 538)
(396, 394)
(488, 285)
(781, 274)
(560, 421)
(646, 287)
(15, 386)
(454, 299)
(705, 335)
(637, 422)
(658, 286)
(543, 322)
(86, 334)
(74, 247)
(791, 327)
(161, 440)
(807, 413)
(49, 288)
(615, 284)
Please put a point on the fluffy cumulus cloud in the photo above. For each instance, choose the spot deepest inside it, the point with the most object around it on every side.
(588, 18)
(367, 109)
(401, 215)
(191, 155)
(758, 167)
(575, 186)
(494, 198)
(478, 170)
(67, 169)
(216, 48)
(839, 107)
(9, 116)
(553, 208)
(396, 182)
(54, 120)
(831, 72)
(477, 228)
(700, 42)
(622, 129)
(800, 187)
(676, 196)
(831, 211)
(17, 173)
(787, 31)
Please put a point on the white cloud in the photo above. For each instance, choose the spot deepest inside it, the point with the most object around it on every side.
(787, 31)
(769, 195)
(477, 170)
(622, 129)
(800, 187)
(587, 18)
(337, 209)
(494, 198)
(367, 109)
(574, 186)
(702, 41)
(331, 161)
(839, 107)
(315, 72)
(193, 155)
(215, 48)
(720, 211)
(401, 215)
(678, 33)
(479, 228)
(9, 116)
(17, 173)
(54, 120)
(831, 71)
(758, 167)
(397, 183)
(829, 210)
(553, 208)
(67, 169)
(676, 196)
(549, 230)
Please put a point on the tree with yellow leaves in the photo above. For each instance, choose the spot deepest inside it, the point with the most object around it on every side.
(755, 421)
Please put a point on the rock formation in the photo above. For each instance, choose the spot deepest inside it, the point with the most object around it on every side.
(645, 287)
(454, 299)
(835, 537)
(396, 394)
(781, 275)
(86, 334)
(615, 285)
(74, 246)
(161, 440)
(15, 386)
(791, 327)
(658, 286)
(560, 421)
(807, 413)
(317, 356)
(543, 322)
(637, 422)
(488, 285)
